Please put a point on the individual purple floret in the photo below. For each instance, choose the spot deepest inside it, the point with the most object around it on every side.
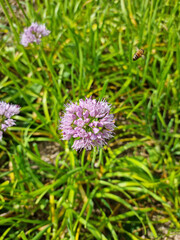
(34, 33)
(89, 122)
(6, 112)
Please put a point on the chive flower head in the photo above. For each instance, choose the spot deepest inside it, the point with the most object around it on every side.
(33, 34)
(7, 110)
(88, 122)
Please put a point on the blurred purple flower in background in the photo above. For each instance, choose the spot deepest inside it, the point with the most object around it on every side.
(6, 112)
(34, 33)
(89, 123)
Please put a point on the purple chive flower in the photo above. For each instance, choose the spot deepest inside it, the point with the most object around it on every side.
(34, 33)
(89, 122)
(6, 112)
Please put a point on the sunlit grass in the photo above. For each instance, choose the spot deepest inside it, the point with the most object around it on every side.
(130, 187)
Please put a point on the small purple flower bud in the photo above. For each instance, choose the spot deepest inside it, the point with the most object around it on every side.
(96, 130)
(7, 123)
(80, 122)
(91, 125)
(87, 120)
(86, 114)
(79, 112)
(93, 113)
(92, 136)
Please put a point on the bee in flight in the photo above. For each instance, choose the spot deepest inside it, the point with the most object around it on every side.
(138, 54)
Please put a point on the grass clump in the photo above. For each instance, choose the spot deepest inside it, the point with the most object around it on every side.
(130, 188)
